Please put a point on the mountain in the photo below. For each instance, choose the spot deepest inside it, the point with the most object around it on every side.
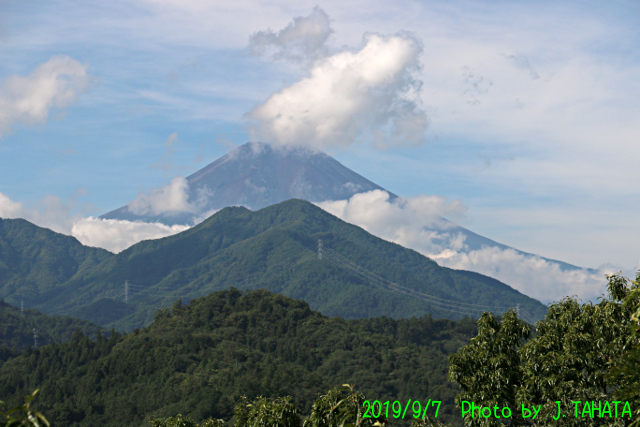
(17, 327)
(276, 248)
(257, 175)
(199, 359)
(35, 261)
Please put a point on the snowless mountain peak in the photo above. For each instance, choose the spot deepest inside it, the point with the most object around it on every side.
(256, 175)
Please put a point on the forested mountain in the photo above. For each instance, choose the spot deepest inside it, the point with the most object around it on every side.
(198, 359)
(276, 248)
(36, 261)
(17, 327)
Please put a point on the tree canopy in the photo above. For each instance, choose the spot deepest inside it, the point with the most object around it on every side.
(582, 358)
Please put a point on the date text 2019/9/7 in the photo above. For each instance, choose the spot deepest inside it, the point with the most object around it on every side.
(376, 408)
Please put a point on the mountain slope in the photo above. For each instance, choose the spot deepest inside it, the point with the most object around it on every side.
(276, 248)
(257, 175)
(198, 359)
(35, 261)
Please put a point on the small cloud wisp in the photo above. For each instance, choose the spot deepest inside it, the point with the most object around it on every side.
(28, 100)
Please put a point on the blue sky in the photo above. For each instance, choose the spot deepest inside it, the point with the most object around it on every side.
(532, 108)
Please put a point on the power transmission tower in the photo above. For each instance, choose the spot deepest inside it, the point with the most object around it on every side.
(320, 249)
(126, 292)
(35, 337)
(22, 307)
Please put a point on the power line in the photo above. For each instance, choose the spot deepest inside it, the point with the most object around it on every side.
(440, 303)
(136, 288)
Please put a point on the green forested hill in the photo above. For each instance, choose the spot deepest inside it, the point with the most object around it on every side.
(35, 261)
(16, 328)
(198, 359)
(360, 275)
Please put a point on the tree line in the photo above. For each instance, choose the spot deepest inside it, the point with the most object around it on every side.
(581, 352)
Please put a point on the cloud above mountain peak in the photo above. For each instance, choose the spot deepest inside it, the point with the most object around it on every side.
(369, 94)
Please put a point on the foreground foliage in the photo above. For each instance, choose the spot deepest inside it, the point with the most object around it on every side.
(340, 407)
(580, 352)
(22, 415)
(182, 421)
(267, 412)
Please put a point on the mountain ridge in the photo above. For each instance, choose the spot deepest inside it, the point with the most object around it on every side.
(276, 248)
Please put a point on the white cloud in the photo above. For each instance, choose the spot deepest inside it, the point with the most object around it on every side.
(531, 275)
(29, 99)
(302, 40)
(110, 234)
(50, 212)
(413, 222)
(417, 223)
(9, 208)
(172, 198)
(349, 96)
(116, 235)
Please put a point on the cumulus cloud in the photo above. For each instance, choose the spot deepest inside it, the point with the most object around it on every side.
(418, 223)
(9, 208)
(50, 212)
(172, 198)
(117, 235)
(302, 40)
(530, 274)
(110, 234)
(413, 222)
(351, 95)
(113, 235)
(28, 100)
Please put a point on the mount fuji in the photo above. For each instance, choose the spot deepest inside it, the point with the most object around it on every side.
(257, 175)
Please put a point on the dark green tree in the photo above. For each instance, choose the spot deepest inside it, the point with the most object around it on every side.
(626, 371)
(489, 368)
(182, 421)
(263, 412)
(568, 360)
